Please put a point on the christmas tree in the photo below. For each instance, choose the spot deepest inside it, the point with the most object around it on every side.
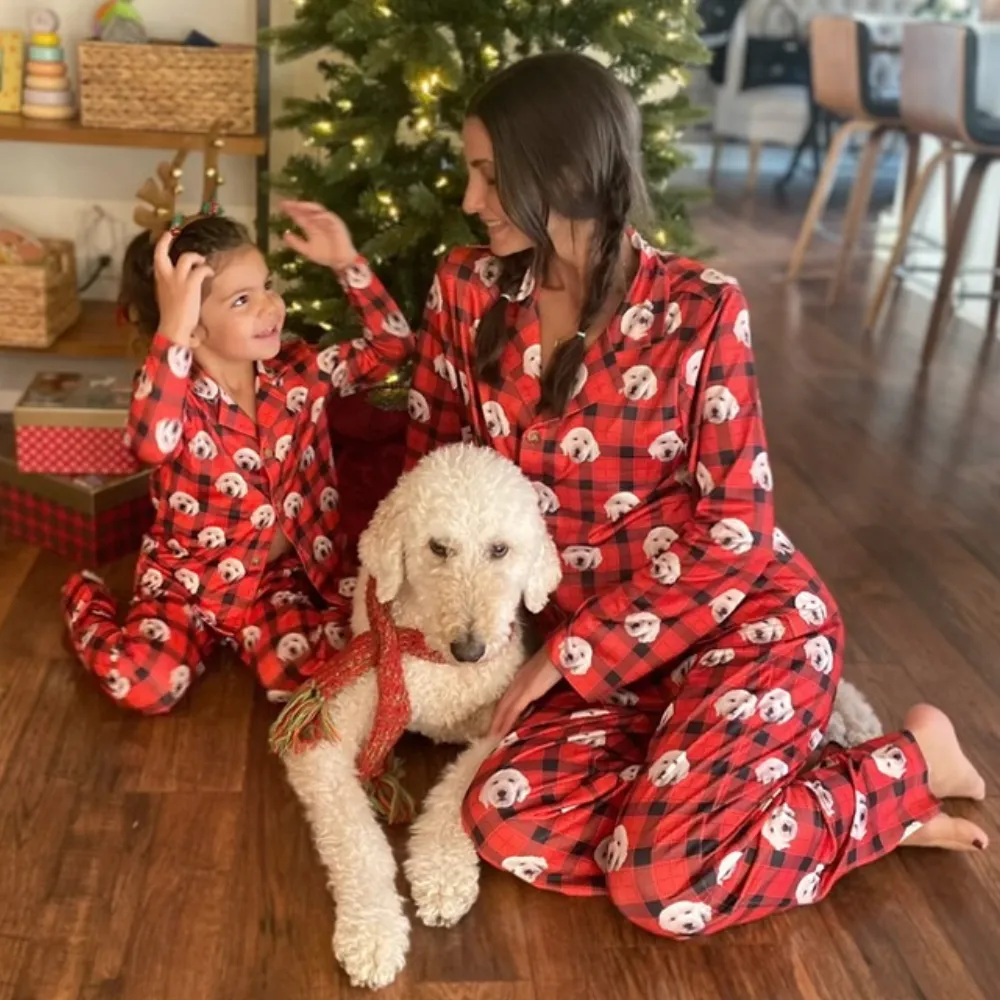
(383, 147)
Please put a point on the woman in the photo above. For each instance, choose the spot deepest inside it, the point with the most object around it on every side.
(662, 746)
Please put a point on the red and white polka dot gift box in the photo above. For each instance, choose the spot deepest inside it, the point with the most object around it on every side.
(69, 424)
(88, 519)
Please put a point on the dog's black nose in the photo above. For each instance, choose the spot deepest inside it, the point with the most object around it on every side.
(468, 649)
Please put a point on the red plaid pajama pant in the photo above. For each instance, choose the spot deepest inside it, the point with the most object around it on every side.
(148, 662)
(699, 802)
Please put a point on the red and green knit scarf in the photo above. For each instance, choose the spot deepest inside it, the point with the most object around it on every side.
(303, 722)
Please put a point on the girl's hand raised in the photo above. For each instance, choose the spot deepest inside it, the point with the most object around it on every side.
(326, 239)
(179, 290)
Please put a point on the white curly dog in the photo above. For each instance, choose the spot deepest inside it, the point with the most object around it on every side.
(456, 548)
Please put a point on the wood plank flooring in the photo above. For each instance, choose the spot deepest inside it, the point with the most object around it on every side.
(168, 860)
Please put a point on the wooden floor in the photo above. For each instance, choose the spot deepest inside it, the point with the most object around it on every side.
(167, 859)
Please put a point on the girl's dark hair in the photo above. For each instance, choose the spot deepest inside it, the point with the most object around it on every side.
(207, 235)
(566, 138)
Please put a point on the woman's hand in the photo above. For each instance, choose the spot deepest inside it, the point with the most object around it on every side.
(179, 290)
(326, 240)
(535, 678)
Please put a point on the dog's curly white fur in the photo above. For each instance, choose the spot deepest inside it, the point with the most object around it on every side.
(455, 549)
(853, 721)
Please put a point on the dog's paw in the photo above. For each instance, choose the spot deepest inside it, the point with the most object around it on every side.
(444, 884)
(371, 948)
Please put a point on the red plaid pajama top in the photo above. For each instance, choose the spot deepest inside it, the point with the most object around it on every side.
(223, 484)
(655, 481)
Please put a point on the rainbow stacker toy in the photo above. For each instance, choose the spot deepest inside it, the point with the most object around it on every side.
(47, 91)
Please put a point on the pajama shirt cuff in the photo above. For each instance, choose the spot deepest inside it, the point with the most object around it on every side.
(160, 344)
(577, 660)
(340, 273)
(918, 800)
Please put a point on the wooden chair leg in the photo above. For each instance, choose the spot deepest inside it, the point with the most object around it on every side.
(953, 254)
(912, 165)
(857, 209)
(911, 209)
(718, 147)
(753, 165)
(991, 320)
(949, 193)
(821, 193)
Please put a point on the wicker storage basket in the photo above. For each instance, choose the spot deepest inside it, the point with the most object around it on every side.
(39, 302)
(168, 88)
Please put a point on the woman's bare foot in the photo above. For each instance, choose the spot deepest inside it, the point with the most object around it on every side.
(949, 772)
(949, 833)
(950, 775)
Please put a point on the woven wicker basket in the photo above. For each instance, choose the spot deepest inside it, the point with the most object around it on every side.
(39, 302)
(168, 88)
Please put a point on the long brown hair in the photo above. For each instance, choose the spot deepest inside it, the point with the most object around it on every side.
(566, 138)
(207, 235)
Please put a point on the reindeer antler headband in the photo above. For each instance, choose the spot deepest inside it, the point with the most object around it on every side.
(161, 198)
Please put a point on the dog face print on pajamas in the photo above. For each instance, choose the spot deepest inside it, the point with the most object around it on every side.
(526, 868)
(612, 852)
(685, 918)
(505, 789)
(781, 828)
(890, 760)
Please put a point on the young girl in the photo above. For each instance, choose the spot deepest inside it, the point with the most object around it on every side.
(244, 548)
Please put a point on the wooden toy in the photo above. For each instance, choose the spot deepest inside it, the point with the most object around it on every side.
(48, 95)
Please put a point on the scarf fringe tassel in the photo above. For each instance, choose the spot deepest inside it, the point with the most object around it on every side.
(389, 798)
(303, 723)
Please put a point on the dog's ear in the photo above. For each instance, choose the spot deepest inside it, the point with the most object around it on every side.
(380, 547)
(546, 572)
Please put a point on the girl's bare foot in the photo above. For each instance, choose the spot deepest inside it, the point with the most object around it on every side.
(950, 773)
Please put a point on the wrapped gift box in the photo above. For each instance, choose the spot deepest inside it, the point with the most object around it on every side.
(90, 520)
(70, 424)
